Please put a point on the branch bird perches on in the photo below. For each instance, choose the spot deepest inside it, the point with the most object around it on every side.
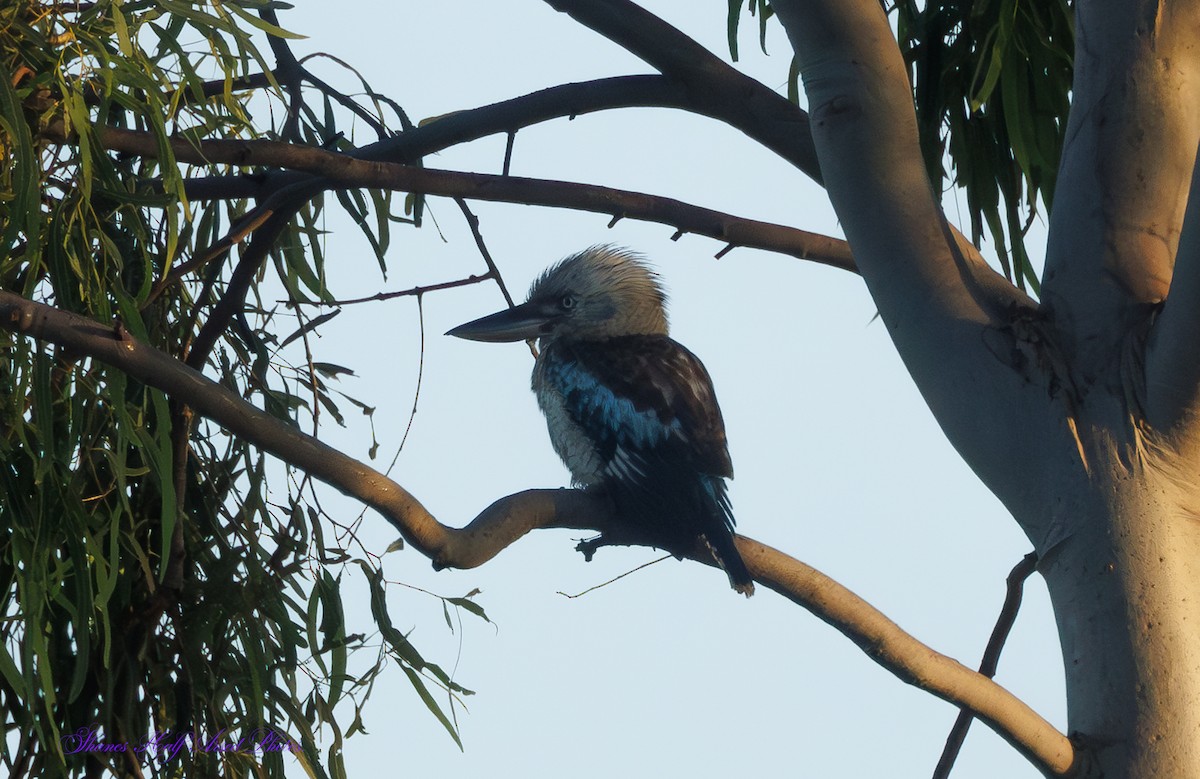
(511, 517)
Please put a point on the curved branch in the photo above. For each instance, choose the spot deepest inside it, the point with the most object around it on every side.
(715, 88)
(116, 347)
(910, 660)
(339, 170)
(511, 517)
(1014, 592)
(506, 116)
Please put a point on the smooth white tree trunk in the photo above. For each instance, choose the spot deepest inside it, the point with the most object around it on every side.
(1123, 570)
(1081, 411)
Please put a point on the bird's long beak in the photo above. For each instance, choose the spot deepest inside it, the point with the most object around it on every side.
(520, 323)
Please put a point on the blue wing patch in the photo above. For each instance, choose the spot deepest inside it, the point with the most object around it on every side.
(611, 420)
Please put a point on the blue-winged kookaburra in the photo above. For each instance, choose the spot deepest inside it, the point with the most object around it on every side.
(630, 411)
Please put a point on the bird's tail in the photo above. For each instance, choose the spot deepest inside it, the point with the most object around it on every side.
(718, 535)
(732, 564)
(677, 508)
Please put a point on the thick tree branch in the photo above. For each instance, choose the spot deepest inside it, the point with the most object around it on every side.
(715, 88)
(1172, 384)
(954, 320)
(865, 128)
(509, 518)
(1125, 171)
(910, 660)
(339, 170)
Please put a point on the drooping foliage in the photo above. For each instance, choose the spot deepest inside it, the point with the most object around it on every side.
(157, 577)
(991, 84)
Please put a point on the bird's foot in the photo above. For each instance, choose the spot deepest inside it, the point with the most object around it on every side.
(588, 546)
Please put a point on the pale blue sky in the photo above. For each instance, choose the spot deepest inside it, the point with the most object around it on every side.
(667, 672)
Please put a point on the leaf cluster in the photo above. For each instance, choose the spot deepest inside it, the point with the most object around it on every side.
(992, 81)
(991, 85)
(156, 575)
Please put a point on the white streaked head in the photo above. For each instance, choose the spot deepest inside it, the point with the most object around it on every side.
(602, 292)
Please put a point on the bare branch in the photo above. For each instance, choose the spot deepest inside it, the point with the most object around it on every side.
(716, 89)
(412, 292)
(511, 517)
(991, 657)
(493, 271)
(565, 100)
(342, 171)
(764, 116)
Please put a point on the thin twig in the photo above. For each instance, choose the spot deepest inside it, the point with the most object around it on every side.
(508, 150)
(615, 578)
(405, 293)
(416, 393)
(238, 233)
(493, 271)
(991, 658)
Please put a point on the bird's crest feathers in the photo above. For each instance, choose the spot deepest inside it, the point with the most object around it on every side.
(604, 291)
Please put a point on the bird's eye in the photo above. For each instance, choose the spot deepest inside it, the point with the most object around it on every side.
(568, 302)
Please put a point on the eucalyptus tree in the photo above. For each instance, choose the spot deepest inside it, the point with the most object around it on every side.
(153, 584)
(1077, 411)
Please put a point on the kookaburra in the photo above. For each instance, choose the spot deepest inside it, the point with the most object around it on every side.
(630, 411)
